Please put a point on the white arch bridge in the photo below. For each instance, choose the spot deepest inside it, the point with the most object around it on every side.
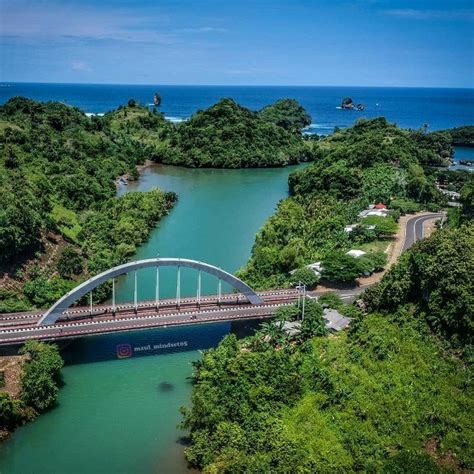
(55, 312)
(63, 321)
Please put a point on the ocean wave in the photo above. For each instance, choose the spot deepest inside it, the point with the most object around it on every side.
(319, 126)
(175, 119)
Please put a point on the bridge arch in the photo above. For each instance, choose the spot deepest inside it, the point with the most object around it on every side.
(53, 313)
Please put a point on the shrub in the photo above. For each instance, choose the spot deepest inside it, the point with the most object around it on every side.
(39, 381)
(340, 267)
(306, 276)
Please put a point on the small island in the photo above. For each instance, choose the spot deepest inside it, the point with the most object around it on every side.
(348, 104)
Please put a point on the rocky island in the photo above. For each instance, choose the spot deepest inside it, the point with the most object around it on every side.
(348, 104)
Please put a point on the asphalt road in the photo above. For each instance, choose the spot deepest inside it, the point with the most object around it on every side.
(414, 229)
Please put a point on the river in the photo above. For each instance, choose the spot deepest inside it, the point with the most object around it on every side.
(121, 415)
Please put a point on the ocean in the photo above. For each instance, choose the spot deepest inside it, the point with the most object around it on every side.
(407, 107)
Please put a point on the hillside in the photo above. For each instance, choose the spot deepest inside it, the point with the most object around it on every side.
(227, 135)
(390, 395)
(59, 217)
(374, 161)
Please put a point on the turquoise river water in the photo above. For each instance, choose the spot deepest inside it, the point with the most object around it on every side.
(121, 415)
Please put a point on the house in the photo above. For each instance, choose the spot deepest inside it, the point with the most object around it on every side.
(356, 253)
(335, 321)
(374, 212)
(316, 267)
(379, 209)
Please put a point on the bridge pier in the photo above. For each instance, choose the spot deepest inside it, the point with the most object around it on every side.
(219, 291)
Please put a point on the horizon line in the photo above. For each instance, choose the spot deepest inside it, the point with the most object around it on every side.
(232, 85)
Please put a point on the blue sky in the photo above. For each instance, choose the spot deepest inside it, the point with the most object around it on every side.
(268, 42)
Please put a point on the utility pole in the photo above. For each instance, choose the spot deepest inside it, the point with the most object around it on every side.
(304, 299)
(90, 303)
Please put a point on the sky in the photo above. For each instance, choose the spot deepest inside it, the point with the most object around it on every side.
(402, 43)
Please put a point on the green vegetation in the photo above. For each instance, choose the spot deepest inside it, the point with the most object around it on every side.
(59, 218)
(227, 135)
(462, 136)
(306, 276)
(286, 113)
(374, 161)
(57, 173)
(386, 396)
(40, 380)
(437, 276)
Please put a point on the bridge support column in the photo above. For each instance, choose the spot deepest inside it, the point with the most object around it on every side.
(157, 289)
(199, 289)
(113, 296)
(90, 303)
(178, 288)
(219, 291)
(135, 293)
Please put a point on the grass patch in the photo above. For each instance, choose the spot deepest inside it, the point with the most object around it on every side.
(67, 221)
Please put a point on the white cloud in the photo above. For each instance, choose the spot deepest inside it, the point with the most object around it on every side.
(81, 66)
(202, 29)
(414, 14)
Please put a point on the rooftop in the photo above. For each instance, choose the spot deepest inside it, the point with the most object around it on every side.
(335, 320)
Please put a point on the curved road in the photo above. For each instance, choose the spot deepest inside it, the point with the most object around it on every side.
(414, 229)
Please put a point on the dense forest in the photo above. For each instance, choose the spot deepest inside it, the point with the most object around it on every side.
(393, 394)
(59, 218)
(228, 135)
(373, 161)
(462, 136)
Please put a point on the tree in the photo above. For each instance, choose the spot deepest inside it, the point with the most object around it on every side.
(39, 381)
(70, 262)
(286, 113)
(340, 267)
(384, 226)
(11, 411)
(306, 276)
(132, 103)
(313, 323)
(467, 197)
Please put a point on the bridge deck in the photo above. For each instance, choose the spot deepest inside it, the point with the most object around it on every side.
(78, 322)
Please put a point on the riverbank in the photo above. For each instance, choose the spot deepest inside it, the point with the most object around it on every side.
(143, 394)
(29, 384)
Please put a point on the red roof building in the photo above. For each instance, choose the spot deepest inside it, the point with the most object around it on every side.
(380, 206)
